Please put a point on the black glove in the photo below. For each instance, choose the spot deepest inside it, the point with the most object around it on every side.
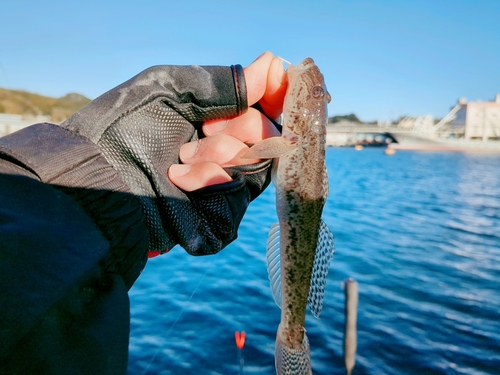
(140, 127)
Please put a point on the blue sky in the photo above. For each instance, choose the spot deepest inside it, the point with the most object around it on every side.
(381, 58)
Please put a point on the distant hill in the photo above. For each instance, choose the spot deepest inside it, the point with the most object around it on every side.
(351, 118)
(29, 104)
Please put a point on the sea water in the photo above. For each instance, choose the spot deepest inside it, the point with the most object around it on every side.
(419, 231)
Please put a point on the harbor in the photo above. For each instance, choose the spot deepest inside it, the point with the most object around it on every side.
(469, 126)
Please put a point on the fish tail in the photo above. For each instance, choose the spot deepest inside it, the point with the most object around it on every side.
(292, 361)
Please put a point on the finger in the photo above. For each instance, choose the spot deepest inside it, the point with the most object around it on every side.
(192, 177)
(256, 77)
(222, 149)
(250, 128)
(276, 85)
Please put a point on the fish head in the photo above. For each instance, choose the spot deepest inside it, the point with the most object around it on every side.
(306, 100)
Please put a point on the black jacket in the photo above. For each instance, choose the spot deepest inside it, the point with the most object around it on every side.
(64, 303)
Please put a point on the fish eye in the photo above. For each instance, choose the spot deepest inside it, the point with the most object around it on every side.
(317, 91)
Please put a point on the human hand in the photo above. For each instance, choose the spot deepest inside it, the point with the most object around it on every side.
(227, 139)
(144, 124)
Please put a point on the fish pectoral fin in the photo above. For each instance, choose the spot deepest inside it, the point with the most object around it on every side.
(273, 262)
(324, 254)
(270, 148)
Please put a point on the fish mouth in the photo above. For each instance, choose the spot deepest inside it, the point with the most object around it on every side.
(306, 64)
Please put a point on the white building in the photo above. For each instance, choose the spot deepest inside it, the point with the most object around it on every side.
(12, 123)
(480, 120)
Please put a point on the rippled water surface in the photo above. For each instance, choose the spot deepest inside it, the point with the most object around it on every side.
(420, 232)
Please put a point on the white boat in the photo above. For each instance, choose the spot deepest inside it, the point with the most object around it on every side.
(421, 143)
(473, 126)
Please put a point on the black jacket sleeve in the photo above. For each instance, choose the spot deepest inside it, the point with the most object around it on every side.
(72, 241)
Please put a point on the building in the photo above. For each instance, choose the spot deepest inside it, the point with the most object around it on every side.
(479, 120)
(12, 123)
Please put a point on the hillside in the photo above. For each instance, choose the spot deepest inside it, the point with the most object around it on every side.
(29, 104)
(351, 118)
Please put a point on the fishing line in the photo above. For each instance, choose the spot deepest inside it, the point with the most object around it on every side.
(181, 312)
(285, 61)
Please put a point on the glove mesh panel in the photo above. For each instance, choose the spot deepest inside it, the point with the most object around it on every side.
(136, 145)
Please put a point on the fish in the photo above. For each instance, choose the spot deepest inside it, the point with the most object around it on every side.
(300, 246)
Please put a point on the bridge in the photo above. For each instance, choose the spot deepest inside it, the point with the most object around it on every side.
(423, 125)
(366, 129)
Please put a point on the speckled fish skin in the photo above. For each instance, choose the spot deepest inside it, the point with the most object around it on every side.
(301, 188)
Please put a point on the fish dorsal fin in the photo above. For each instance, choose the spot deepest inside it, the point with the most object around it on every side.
(273, 262)
(324, 253)
(270, 148)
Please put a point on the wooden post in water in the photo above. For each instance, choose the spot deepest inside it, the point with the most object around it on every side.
(351, 312)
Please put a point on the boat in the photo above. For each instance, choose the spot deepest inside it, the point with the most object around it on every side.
(421, 143)
(473, 126)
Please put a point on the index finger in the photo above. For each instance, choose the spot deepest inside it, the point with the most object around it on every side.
(274, 95)
(266, 83)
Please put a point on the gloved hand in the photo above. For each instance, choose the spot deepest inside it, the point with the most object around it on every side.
(144, 124)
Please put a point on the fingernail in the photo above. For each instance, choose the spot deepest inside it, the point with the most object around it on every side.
(216, 127)
(179, 170)
(188, 150)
